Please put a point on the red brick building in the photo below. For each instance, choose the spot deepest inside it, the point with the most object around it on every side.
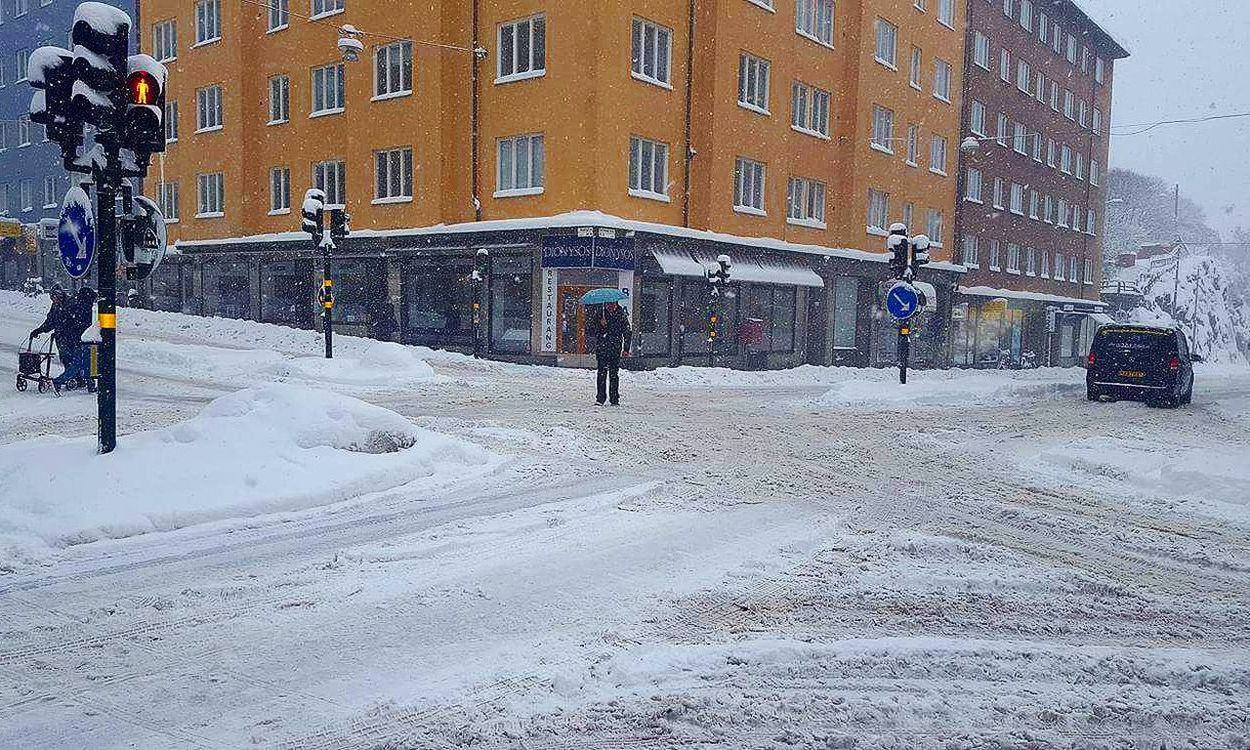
(1029, 219)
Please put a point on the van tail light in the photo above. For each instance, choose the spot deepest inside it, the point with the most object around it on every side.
(1174, 364)
(1091, 359)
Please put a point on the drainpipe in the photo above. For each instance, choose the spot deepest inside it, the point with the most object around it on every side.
(685, 198)
(474, 116)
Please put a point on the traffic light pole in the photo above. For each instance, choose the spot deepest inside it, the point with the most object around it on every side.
(327, 300)
(106, 181)
(904, 351)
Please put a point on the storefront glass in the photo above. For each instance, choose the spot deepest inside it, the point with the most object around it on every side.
(286, 293)
(358, 285)
(226, 290)
(654, 307)
(845, 311)
(438, 301)
(171, 288)
(511, 293)
(783, 318)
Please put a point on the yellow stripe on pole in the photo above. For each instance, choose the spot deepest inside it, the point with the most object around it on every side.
(328, 282)
(108, 320)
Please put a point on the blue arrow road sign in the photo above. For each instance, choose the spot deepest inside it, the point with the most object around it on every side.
(76, 234)
(902, 301)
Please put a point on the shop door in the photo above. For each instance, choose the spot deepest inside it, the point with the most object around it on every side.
(572, 319)
(817, 326)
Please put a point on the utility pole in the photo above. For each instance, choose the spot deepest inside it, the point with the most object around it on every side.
(123, 98)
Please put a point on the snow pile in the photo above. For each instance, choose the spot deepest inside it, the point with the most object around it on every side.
(1206, 308)
(381, 363)
(263, 450)
(970, 389)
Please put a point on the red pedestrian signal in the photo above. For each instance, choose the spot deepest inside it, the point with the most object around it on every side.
(142, 88)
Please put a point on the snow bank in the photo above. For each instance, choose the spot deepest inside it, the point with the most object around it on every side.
(262, 450)
(968, 388)
(381, 363)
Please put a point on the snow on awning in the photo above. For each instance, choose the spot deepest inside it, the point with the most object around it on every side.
(1054, 299)
(750, 268)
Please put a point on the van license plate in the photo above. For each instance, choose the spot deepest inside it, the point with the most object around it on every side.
(1132, 374)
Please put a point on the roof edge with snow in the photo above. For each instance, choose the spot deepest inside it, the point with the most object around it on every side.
(574, 219)
(987, 291)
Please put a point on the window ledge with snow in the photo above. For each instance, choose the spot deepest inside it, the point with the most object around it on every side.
(327, 14)
(518, 192)
(754, 108)
(521, 76)
(882, 149)
(878, 232)
(886, 64)
(277, 122)
(812, 133)
(650, 195)
(939, 172)
(211, 129)
(648, 79)
(391, 95)
(166, 60)
(326, 112)
(391, 200)
(280, 212)
(812, 37)
(276, 29)
(206, 42)
(807, 223)
(763, 4)
(211, 215)
(750, 210)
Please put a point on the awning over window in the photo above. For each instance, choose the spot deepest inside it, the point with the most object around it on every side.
(750, 268)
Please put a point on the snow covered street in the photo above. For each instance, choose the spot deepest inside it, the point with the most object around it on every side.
(813, 558)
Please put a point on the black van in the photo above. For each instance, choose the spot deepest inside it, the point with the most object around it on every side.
(1141, 363)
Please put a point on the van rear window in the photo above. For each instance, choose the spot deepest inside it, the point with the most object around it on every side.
(1138, 340)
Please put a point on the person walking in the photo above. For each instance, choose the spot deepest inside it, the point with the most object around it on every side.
(61, 323)
(78, 370)
(607, 329)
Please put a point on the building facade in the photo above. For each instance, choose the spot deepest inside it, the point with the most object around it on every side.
(1029, 220)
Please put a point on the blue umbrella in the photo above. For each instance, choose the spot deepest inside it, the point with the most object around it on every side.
(602, 296)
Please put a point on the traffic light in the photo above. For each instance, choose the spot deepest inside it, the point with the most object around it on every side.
(340, 224)
(897, 243)
(50, 71)
(920, 255)
(313, 213)
(143, 128)
(100, 40)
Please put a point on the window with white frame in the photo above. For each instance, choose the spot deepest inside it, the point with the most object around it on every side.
(1094, 173)
(937, 155)
(1052, 152)
(913, 145)
(651, 50)
(969, 251)
(1082, 113)
(328, 95)
(1017, 199)
(1039, 87)
(981, 50)
(1097, 121)
(279, 14)
(1088, 274)
(972, 185)
(1074, 269)
(1000, 193)
(887, 43)
(165, 40)
(814, 19)
(1048, 209)
(1071, 55)
(882, 128)
(1043, 27)
(1065, 162)
(648, 168)
(1056, 40)
(279, 99)
(19, 72)
(934, 226)
(49, 192)
(171, 121)
(1024, 75)
(522, 46)
(1091, 221)
(1059, 267)
(1085, 58)
(4, 199)
(207, 21)
(26, 194)
(1035, 204)
(1013, 258)
(753, 82)
(1020, 140)
(1037, 147)
(805, 201)
(331, 177)
(1030, 261)
(946, 12)
(1054, 96)
(20, 8)
(748, 186)
(521, 165)
(878, 209)
(392, 70)
(917, 64)
(1004, 65)
(167, 199)
(1026, 15)
(1043, 264)
(995, 255)
(977, 118)
(1080, 165)
(326, 7)
(909, 213)
(1069, 105)
(208, 108)
(1100, 70)
(1063, 213)
(23, 130)
(279, 190)
(1004, 125)
(210, 195)
(1076, 218)
(942, 80)
(392, 175)
(810, 111)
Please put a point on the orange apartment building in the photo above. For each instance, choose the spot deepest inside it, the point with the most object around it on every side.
(606, 144)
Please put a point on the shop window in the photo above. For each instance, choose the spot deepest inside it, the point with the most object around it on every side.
(511, 295)
(286, 293)
(654, 312)
(226, 289)
(438, 301)
(845, 311)
(358, 284)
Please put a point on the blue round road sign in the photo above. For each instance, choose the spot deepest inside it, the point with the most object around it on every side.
(76, 234)
(902, 301)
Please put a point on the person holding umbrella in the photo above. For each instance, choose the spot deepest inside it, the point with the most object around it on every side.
(607, 329)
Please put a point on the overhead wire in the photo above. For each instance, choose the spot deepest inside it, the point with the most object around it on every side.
(362, 32)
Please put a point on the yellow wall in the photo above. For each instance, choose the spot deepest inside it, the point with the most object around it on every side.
(587, 105)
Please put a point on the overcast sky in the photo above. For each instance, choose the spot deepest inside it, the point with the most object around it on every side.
(1189, 58)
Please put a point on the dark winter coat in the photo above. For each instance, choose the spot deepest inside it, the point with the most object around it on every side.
(608, 331)
(62, 322)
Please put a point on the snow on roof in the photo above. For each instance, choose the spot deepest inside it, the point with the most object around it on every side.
(1100, 25)
(986, 291)
(573, 219)
(103, 19)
